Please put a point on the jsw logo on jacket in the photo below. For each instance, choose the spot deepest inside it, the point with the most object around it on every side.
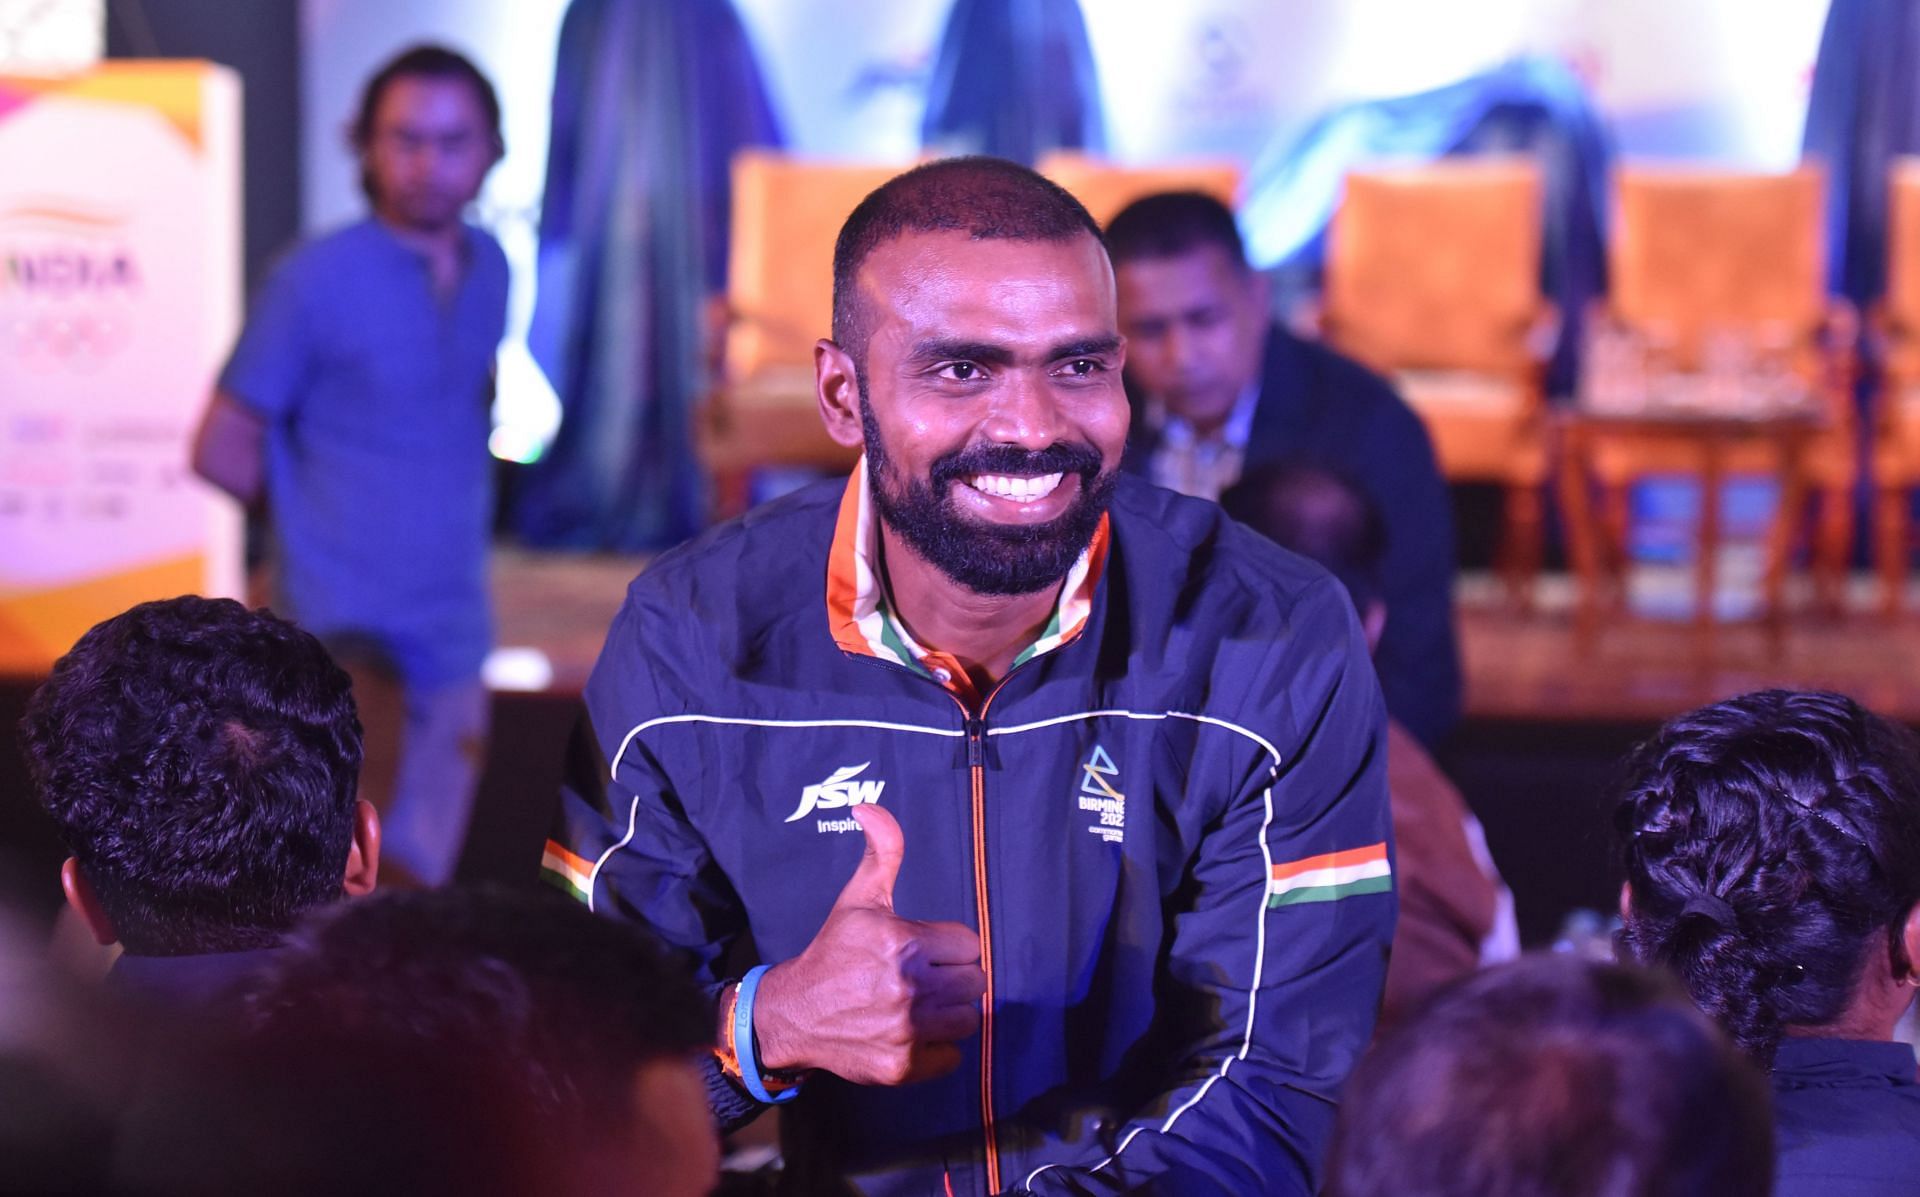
(839, 790)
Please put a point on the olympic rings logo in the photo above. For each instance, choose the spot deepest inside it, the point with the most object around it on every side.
(76, 339)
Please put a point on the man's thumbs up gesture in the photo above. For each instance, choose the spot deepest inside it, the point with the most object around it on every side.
(875, 999)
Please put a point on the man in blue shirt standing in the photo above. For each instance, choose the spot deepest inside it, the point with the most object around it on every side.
(356, 409)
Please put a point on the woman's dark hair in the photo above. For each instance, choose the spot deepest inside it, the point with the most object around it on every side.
(1771, 841)
(423, 62)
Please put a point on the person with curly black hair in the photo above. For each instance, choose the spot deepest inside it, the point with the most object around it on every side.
(1772, 851)
(200, 761)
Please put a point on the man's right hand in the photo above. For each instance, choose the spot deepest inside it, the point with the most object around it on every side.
(875, 999)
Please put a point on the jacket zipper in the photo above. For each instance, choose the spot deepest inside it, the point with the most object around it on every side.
(977, 767)
(976, 733)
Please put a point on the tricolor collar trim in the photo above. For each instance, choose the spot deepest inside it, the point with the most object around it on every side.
(858, 613)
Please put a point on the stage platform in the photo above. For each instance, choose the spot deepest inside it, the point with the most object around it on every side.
(1537, 755)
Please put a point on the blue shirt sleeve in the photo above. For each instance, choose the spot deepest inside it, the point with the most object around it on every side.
(268, 368)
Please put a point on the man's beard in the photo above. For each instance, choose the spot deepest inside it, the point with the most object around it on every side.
(999, 559)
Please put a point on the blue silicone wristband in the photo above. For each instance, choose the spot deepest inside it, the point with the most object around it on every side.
(744, 1046)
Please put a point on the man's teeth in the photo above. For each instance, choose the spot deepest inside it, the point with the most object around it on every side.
(1024, 490)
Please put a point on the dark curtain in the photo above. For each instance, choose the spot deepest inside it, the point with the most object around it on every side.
(1531, 106)
(1865, 111)
(1015, 79)
(651, 99)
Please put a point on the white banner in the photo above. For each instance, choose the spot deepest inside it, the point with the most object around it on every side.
(119, 297)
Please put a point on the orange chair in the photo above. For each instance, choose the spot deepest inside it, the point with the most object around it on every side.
(1896, 415)
(1105, 187)
(786, 214)
(1433, 279)
(1697, 253)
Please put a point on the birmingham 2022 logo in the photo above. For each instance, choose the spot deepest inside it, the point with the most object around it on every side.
(68, 277)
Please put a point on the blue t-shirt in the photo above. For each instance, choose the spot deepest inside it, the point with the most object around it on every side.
(377, 393)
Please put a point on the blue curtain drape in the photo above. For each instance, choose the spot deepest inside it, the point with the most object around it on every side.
(651, 99)
(1534, 106)
(1015, 79)
(1865, 110)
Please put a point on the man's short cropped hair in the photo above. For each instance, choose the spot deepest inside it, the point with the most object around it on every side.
(565, 1005)
(1555, 1075)
(988, 199)
(1173, 224)
(1319, 513)
(201, 762)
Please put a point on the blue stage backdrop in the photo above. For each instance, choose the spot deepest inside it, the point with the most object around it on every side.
(1014, 78)
(1865, 111)
(651, 100)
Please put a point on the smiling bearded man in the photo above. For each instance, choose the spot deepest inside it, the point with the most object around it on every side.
(1054, 801)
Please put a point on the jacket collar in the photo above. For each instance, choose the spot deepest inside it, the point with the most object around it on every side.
(862, 619)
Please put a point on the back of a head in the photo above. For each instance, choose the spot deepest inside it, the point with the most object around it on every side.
(986, 199)
(201, 762)
(1317, 512)
(1554, 1077)
(560, 1006)
(1173, 224)
(1771, 842)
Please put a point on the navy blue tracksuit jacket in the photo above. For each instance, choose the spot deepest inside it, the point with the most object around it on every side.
(1170, 831)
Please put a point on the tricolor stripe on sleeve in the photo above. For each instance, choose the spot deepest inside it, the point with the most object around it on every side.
(566, 870)
(1331, 877)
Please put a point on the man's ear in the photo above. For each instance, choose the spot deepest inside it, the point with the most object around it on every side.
(85, 903)
(363, 858)
(836, 384)
(1626, 899)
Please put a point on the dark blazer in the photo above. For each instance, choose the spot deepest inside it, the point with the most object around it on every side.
(1319, 407)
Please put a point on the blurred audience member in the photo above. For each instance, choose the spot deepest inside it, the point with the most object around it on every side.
(62, 1056)
(1554, 1077)
(1772, 849)
(1455, 914)
(471, 1041)
(356, 408)
(200, 761)
(1218, 388)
